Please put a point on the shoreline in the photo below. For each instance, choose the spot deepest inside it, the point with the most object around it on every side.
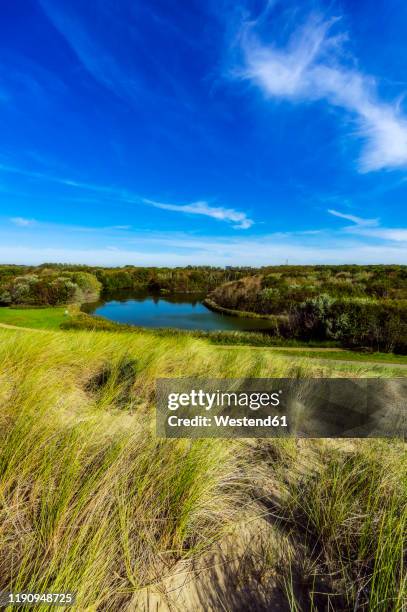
(212, 305)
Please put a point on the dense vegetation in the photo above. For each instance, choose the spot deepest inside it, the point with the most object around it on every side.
(93, 501)
(354, 306)
(49, 287)
(192, 279)
(280, 284)
(358, 306)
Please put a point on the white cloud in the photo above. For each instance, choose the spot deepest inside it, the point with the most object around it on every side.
(392, 234)
(353, 218)
(260, 252)
(361, 244)
(22, 222)
(230, 215)
(309, 68)
(371, 228)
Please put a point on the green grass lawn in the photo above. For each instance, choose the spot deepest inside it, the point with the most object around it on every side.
(348, 356)
(39, 318)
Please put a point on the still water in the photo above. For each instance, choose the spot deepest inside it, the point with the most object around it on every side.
(181, 311)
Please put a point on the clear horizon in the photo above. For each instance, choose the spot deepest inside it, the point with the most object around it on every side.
(216, 133)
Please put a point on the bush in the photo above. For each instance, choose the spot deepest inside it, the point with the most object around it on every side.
(379, 325)
(88, 284)
(50, 289)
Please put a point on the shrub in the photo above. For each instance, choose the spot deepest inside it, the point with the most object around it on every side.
(88, 284)
(379, 325)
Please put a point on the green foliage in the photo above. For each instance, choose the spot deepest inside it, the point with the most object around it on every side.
(37, 290)
(49, 287)
(88, 284)
(380, 326)
(358, 306)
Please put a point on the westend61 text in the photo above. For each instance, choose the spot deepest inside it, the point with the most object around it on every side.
(281, 407)
(227, 421)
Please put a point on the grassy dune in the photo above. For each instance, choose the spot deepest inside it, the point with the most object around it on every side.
(56, 318)
(92, 501)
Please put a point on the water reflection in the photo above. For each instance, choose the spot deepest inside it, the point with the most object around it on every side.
(181, 311)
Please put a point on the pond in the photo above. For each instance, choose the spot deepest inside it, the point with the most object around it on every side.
(180, 311)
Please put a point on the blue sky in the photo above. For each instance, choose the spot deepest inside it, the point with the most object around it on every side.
(203, 132)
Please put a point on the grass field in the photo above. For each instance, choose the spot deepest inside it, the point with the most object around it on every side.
(347, 356)
(92, 501)
(52, 318)
(38, 318)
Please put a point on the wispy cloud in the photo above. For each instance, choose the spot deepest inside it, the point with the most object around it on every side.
(48, 226)
(22, 222)
(100, 64)
(310, 68)
(110, 246)
(68, 182)
(371, 228)
(395, 234)
(240, 219)
(358, 220)
(159, 252)
(122, 74)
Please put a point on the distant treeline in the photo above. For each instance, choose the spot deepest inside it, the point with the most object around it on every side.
(358, 306)
(60, 283)
(279, 284)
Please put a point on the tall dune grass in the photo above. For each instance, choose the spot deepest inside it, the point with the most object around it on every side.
(350, 514)
(92, 501)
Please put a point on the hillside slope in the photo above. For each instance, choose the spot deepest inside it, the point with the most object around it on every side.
(93, 501)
